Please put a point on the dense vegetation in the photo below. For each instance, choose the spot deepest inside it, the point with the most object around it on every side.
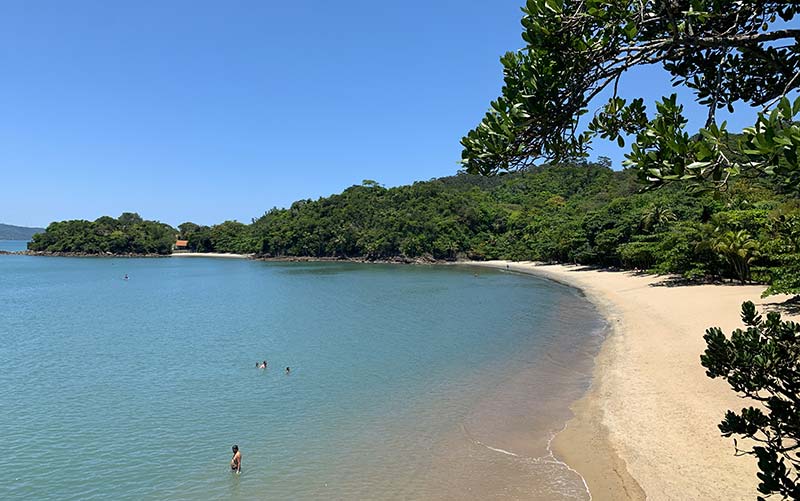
(722, 51)
(128, 234)
(11, 232)
(584, 213)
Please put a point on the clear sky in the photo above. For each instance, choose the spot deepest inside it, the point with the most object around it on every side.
(213, 110)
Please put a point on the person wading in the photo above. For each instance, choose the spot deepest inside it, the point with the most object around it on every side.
(236, 461)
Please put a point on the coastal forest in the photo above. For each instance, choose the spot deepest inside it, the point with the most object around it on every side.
(582, 213)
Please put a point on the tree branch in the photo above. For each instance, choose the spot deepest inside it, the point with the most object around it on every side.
(740, 40)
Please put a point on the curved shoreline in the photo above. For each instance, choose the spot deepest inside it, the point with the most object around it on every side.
(647, 427)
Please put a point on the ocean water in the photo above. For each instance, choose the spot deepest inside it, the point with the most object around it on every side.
(13, 245)
(440, 382)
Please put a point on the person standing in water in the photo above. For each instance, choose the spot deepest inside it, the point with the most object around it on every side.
(236, 461)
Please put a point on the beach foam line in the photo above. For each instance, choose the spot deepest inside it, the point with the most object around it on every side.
(549, 459)
(570, 468)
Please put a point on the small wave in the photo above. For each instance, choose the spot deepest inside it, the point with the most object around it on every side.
(549, 459)
(501, 451)
(570, 468)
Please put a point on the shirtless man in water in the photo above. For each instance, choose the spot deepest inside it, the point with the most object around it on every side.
(236, 461)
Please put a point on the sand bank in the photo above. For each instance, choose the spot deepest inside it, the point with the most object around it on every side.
(211, 254)
(648, 426)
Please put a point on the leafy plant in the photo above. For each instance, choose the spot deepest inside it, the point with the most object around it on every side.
(762, 363)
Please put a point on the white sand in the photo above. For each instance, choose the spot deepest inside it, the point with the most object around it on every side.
(652, 412)
(211, 254)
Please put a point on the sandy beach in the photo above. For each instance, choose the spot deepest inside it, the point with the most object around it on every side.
(647, 428)
(211, 254)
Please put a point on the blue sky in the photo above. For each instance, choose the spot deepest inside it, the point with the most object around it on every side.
(208, 111)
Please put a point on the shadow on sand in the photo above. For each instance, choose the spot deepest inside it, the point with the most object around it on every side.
(789, 307)
(664, 280)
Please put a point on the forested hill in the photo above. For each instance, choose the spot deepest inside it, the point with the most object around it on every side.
(127, 234)
(583, 213)
(11, 232)
(578, 213)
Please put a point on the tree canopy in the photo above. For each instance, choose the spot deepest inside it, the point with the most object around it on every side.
(128, 234)
(725, 51)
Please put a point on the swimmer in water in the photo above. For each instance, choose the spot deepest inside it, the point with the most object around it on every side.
(264, 364)
(287, 370)
(236, 461)
(126, 277)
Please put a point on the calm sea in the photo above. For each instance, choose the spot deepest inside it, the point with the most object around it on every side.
(13, 245)
(407, 382)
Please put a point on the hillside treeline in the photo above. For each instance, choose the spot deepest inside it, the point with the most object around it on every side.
(585, 213)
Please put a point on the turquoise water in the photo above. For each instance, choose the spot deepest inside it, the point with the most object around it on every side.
(406, 382)
(13, 245)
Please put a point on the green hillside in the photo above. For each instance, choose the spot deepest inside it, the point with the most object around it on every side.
(583, 213)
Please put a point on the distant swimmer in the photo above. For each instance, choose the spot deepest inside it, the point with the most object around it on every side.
(258, 365)
(236, 461)
(264, 364)
(126, 277)
(288, 370)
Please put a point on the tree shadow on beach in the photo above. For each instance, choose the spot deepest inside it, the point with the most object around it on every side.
(662, 280)
(679, 281)
(605, 269)
(789, 307)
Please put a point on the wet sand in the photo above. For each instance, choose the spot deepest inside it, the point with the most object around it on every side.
(647, 428)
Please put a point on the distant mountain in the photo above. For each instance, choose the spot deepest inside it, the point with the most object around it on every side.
(9, 232)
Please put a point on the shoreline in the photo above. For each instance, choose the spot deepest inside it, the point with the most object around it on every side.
(211, 254)
(255, 257)
(126, 256)
(647, 426)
